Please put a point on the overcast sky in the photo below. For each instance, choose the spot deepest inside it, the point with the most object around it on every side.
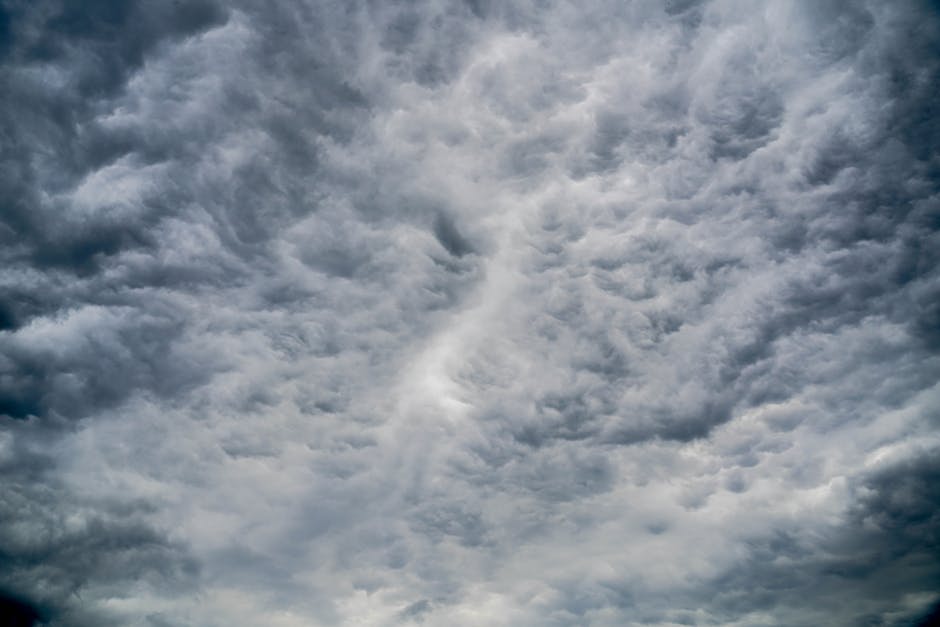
(487, 313)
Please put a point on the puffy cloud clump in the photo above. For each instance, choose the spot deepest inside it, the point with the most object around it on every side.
(469, 313)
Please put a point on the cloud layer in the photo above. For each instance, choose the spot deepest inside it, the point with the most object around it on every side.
(518, 313)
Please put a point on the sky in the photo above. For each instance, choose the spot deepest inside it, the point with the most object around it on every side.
(506, 313)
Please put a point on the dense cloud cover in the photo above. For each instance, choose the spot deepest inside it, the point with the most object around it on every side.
(522, 313)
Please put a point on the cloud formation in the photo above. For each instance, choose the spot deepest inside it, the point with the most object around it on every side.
(463, 313)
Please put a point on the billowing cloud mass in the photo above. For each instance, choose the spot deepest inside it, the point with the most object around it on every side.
(528, 313)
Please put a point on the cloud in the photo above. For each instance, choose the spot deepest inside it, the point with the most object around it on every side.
(18, 613)
(528, 313)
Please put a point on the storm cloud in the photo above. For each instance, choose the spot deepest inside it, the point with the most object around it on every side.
(469, 313)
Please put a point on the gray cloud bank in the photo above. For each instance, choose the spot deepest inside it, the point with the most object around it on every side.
(479, 313)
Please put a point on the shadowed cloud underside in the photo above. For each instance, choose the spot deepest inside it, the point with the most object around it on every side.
(529, 313)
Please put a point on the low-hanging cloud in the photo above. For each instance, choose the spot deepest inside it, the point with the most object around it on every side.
(462, 313)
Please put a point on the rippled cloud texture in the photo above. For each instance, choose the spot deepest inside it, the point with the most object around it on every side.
(527, 313)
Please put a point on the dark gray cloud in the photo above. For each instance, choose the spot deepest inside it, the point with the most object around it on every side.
(526, 313)
(18, 613)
